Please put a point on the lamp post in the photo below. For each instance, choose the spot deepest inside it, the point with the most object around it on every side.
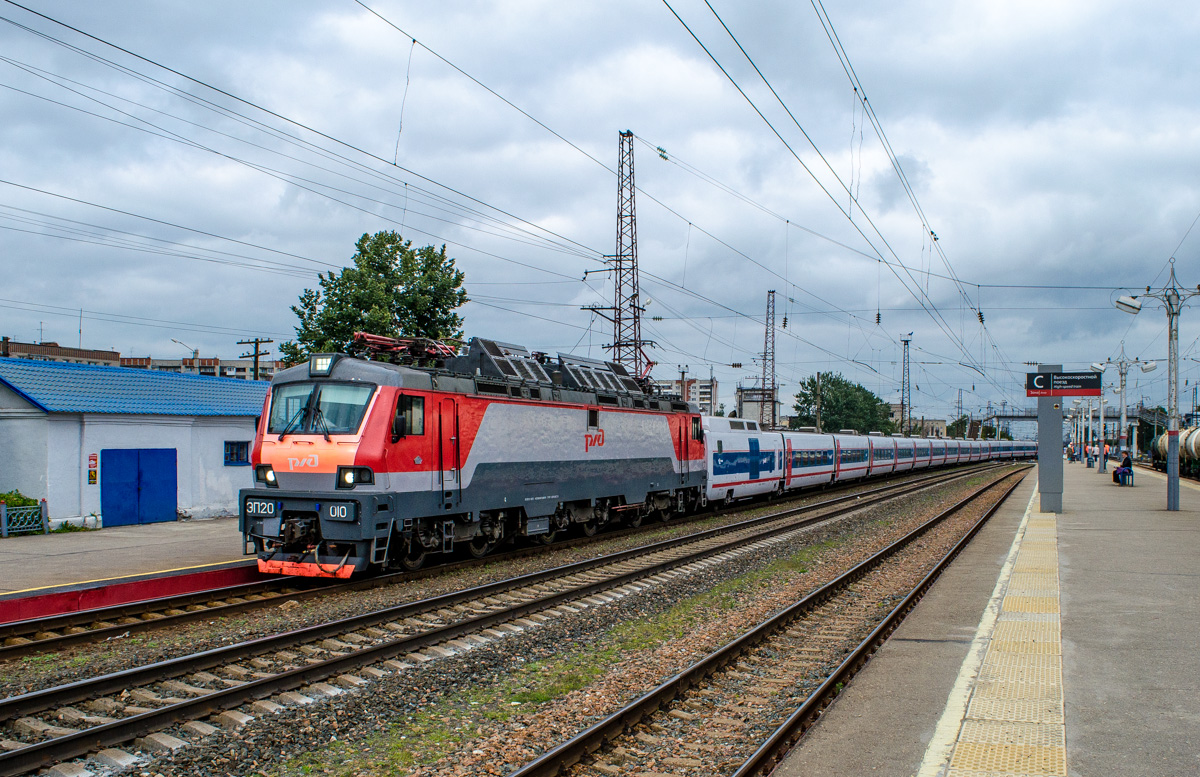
(195, 356)
(1092, 429)
(1101, 466)
(1172, 297)
(1123, 363)
(1079, 429)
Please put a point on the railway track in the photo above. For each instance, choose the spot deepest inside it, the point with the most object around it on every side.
(262, 675)
(738, 710)
(57, 632)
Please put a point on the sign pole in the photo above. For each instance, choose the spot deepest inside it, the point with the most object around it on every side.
(1050, 431)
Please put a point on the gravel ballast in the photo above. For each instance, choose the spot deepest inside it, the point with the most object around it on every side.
(498, 705)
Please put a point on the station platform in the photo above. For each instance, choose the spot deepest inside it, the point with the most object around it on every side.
(39, 564)
(1054, 645)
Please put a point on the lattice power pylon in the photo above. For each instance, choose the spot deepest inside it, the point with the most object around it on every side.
(766, 410)
(627, 318)
(628, 347)
(905, 394)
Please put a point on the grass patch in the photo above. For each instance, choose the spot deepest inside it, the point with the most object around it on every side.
(71, 528)
(44, 659)
(440, 729)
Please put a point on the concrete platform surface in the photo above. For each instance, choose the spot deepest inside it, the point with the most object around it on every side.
(47, 560)
(1120, 677)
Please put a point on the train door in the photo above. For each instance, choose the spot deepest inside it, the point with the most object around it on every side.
(449, 475)
(787, 462)
(683, 448)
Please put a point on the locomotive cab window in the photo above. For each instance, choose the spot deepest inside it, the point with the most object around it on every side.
(311, 408)
(410, 417)
(697, 430)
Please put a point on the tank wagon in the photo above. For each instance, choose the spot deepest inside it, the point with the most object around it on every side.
(364, 464)
(1189, 452)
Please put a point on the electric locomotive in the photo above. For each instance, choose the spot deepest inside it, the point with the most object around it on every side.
(364, 464)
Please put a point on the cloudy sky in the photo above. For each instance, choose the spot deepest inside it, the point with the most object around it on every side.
(178, 170)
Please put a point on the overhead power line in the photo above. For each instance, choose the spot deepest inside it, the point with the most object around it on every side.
(915, 289)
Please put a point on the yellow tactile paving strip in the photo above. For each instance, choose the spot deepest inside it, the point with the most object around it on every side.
(1014, 724)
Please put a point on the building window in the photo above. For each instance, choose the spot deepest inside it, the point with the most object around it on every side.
(237, 454)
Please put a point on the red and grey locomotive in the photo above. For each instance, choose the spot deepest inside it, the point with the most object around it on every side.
(362, 465)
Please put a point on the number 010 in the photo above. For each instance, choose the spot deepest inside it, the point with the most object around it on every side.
(338, 511)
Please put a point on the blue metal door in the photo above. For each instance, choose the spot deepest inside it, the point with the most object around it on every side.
(138, 485)
(157, 488)
(119, 486)
(755, 459)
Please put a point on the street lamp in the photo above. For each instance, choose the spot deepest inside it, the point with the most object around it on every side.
(1123, 364)
(1172, 297)
(1101, 467)
(1132, 305)
(195, 356)
(1079, 428)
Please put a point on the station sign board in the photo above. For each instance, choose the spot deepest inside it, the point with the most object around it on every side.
(1062, 384)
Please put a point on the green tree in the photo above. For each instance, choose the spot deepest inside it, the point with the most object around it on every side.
(844, 405)
(392, 290)
(989, 433)
(957, 428)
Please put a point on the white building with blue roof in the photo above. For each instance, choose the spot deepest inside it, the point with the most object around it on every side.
(130, 446)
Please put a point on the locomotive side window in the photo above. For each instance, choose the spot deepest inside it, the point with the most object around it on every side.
(697, 430)
(593, 418)
(410, 416)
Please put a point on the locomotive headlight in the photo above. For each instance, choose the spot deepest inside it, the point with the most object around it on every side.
(265, 474)
(349, 477)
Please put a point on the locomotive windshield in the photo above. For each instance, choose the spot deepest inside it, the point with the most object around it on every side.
(318, 408)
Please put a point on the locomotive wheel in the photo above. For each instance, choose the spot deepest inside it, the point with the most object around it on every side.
(480, 546)
(547, 538)
(634, 520)
(414, 558)
(589, 528)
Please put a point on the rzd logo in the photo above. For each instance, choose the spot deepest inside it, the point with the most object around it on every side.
(593, 441)
(308, 461)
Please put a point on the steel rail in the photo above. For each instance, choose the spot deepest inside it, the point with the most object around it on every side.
(82, 742)
(28, 629)
(568, 753)
(37, 701)
(789, 732)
